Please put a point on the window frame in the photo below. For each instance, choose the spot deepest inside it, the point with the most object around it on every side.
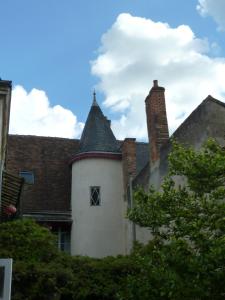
(25, 172)
(64, 240)
(6, 267)
(92, 202)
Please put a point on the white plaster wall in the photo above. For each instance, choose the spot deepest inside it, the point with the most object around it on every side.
(143, 235)
(97, 231)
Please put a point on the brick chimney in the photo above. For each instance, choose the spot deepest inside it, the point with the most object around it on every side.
(129, 159)
(158, 132)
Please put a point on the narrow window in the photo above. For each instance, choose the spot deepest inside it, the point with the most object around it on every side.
(28, 176)
(95, 198)
(63, 239)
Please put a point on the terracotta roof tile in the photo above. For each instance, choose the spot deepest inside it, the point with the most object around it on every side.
(48, 159)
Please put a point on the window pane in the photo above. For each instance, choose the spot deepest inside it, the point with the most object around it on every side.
(63, 240)
(28, 176)
(95, 195)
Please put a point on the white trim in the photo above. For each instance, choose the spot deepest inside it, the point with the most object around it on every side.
(7, 265)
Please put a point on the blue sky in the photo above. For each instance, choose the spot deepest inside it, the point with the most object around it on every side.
(57, 52)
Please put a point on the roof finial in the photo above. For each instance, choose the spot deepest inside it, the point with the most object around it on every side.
(94, 99)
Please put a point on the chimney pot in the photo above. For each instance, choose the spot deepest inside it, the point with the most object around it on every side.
(155, 83)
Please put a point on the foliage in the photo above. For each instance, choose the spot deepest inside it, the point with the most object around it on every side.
(184, 260)
(26, 240)
(41, 272)
(186, 256)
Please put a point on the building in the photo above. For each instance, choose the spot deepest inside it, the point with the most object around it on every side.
(10, 186)
(81, 189)
(5, 99)
(206, 121)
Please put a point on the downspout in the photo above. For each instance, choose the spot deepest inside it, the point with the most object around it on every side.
(132, 206)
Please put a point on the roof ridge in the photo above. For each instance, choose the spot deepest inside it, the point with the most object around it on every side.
(211, 98)
(42, 137)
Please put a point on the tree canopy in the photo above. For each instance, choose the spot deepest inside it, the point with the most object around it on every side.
(186, 256)
(185, 259)
(40, 271)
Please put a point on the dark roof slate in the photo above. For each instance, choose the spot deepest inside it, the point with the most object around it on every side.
(142, 155)
(97, 135)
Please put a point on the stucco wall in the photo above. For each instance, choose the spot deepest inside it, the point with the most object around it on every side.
(97, 231)
(206, 121)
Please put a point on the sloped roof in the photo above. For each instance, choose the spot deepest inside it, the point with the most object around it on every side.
(97, 135)
(142, 155)
(209, 112)
(48, 158)
(210, 98)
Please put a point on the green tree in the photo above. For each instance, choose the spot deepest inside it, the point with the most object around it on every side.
(40, 271)
(186, 257)
(34, 252)
(25, 240)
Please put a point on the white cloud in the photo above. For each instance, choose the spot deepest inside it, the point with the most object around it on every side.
(215, 9)
(31, 113)
(134, 51)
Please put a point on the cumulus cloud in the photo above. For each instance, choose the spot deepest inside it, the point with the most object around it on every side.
(31, 113)
(134, 51)
(215, 9)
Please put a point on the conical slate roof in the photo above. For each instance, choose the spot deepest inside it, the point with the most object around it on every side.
(97, 135)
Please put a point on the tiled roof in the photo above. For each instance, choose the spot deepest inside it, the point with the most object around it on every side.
(48, 158)
(97, 135)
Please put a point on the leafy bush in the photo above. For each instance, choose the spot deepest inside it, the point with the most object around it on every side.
(184, 260)
(41, 272)
(27, 241)
(186, 257)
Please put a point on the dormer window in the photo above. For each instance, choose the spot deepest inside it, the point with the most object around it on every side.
(95, 197)
(28, 176)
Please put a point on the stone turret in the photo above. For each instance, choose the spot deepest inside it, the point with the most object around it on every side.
(97, 197)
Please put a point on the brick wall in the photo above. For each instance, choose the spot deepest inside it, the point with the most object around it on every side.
(129, 160)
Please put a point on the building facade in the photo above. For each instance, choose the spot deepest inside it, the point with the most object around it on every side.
(81, 189)
(5, 100)
(10, 185)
